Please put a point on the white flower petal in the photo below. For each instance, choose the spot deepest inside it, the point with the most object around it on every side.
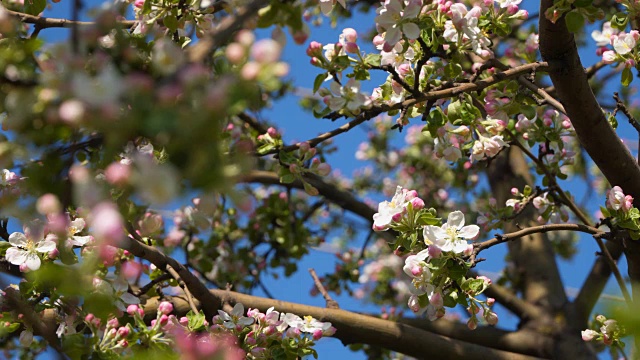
(45, 246)
(456, 220)
(16, 256)
(469, 232)
(129, 299)
(32, 261)
(411, 31)
(18, 239)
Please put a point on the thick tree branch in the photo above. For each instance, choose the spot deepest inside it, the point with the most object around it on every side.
(599, 139)
(594, 283)
(210, 304)
(363, 329)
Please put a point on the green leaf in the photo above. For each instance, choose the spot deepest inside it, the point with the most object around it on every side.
(3, 247)
(627, 77)
(452, 70)
(574, 21)
(620, 20)
(318, 81)
(373, 59)
(34, 7)
(196, 321)
(582, 3)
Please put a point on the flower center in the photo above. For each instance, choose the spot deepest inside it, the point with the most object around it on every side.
(453, 233)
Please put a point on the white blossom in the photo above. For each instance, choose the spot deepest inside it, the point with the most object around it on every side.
(451, 236)
(388, 209)
(236, 317)
(603, 38)
(24, 250)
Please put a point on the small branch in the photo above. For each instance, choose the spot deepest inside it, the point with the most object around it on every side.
(177, 277)
(323, 137)
(145, 289)
(331, 304)
(616, 271)
(31, 319)
(224, 31)
(396, 77)
(499, 239)
(210, 304)
(620, 106)
(45, 23)
(252, 122)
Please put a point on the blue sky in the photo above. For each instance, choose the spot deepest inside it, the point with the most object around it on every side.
(300, 125)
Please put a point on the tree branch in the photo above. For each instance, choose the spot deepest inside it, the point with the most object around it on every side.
(42, 22)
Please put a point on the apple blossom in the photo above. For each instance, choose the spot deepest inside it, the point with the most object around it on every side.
(451, 236)
(617, 200)
(388, 209)
(24, 250)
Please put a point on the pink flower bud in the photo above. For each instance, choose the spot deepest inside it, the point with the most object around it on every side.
(266, 51)
(417, 203)
(434, 251)
(113, 323)
(123, 332)
(89, 318)
(491, 317)
(397, 217)
(324, 169)
(416, 270)
(317, 335)
(472, 323)
(436, 299)
(132, 309)
(235, 53)
(410, 195)
(48, 204)
(512, 9)
(165, 307)
(304, 147)
(351, 48)
(350, 35)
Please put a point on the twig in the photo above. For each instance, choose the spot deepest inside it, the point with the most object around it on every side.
(31, 319)
(574, 208)
(632, 120)
(615, 270)
(45, 22)
(366, 243)
(498, 239)
(445, 91)
(396, 77)
(145, 289)
(252, 122)
(182, 285)
(224, 31)
(331, 304)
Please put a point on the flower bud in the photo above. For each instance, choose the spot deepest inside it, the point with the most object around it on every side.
(165, 307)
(491, 317)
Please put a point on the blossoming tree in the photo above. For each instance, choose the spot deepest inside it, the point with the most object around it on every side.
(153, 104)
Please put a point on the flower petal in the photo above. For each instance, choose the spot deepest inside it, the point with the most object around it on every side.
(456, 220)
(45, 246)
(18, 239)
(32, 261)
(16, 256)
(411, 31)
(469, 232)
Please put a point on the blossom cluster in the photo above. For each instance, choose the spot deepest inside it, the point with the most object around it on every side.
(606, 330)
(267, 334)
(621, 212)
(432, 269)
